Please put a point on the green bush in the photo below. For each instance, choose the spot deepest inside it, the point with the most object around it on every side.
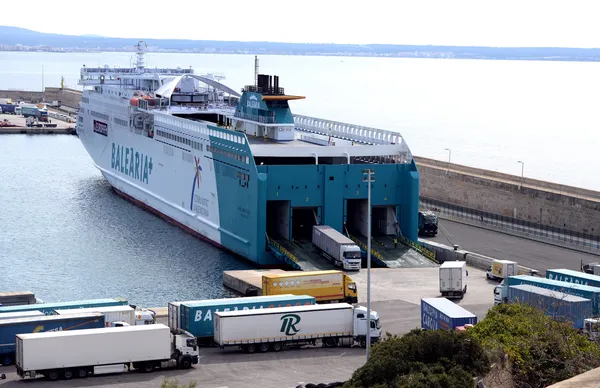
(175, 384)
(444, 359)
(541, 350)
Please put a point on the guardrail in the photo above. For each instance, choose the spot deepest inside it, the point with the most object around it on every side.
(288, 256)
(530, 230)
(419, 248)
(364, 247)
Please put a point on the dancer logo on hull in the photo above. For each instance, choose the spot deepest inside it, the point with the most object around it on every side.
(130, 162)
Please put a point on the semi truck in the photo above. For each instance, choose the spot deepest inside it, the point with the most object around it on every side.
(337, 248)
(326, 286)
(428, 223)
(501, 269)
(588, 292)
(11, 327)
(453, 278)
(441, 313)
(567, 275)
(81, 353)
(17, 298)
(49, 308)
(337, 324)
(35, 112)
(574, 309)
(196, 317)
(116, 315)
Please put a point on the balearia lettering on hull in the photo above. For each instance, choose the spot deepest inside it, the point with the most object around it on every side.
(130, 162)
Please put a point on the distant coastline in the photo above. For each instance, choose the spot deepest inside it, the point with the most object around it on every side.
(22, 40)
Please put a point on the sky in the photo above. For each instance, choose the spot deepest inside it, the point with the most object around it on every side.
(566, 23)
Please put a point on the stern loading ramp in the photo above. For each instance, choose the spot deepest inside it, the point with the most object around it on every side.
(289, 238)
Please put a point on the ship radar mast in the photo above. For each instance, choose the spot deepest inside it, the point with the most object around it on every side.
(141, 46)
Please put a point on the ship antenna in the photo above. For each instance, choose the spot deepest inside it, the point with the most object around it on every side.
(140, 56)
(256, 70)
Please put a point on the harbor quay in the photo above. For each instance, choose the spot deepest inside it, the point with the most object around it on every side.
(14, 124)
(395, 295)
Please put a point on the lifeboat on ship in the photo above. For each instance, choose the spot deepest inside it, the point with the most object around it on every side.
(134, 102)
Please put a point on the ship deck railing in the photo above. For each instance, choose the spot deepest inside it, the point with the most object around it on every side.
(277, 249)
(257, 118)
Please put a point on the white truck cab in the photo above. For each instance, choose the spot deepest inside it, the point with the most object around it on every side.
(360, 326)
(591, 327)
(352, 257)
(145, 317)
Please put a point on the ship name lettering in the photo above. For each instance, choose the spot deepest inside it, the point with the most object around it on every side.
(130, 162)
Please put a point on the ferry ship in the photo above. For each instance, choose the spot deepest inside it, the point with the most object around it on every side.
(240, 170)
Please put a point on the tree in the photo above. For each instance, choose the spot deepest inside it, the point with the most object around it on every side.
(540, 349)
(422, 359)
(175, 384)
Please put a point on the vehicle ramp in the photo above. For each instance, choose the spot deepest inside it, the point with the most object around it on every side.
(403, 255)
(299, 255)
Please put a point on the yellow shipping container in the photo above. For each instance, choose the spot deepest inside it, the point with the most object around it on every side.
(324, 286)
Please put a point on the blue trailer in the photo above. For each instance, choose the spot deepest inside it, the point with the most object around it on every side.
(48, 308)
(568, 275)
(9, 328)
(556, 304)
(8, 108)
(441, 313)
(588, 292)
(196, 317)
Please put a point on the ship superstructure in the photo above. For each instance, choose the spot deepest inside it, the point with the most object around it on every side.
(240, 170)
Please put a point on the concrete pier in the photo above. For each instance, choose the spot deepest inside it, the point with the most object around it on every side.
(249, 282)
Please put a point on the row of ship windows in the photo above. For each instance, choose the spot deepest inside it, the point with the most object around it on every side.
(180, 139)
(121, 122)
(229, 154)
(99, 115)
(191, 126)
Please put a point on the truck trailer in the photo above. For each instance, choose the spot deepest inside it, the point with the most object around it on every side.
(11, 327)
(49, 308)
(441, 313)
(325, 286)
(501, 269)
(22, 314)
(567, 275)
(116, 315)
(196, 317)
(574, 309)
(109, 350)
(17, 298)
(453, 278)
(588, 292)
(337, 324)
(337, 248)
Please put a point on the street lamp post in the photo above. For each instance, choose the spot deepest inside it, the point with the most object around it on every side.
(369, 177)
(522, 168)
(449, 154)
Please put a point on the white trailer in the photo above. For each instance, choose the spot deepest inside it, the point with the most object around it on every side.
(337, 248)
(453, 278)
(21, 314)
(336, 324)
(114, 316)
(80, 353)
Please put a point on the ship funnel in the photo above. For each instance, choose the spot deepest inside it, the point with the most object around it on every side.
(256, 70)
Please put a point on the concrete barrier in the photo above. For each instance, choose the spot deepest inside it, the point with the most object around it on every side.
(447, 253)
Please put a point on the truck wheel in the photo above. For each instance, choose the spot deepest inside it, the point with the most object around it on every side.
(52, 375)
(7, 360)
(186, 363)
(82, 373)
(363, 342)
(328, 342)
(277, 346)
(251, 348)
(264, 347)
(68, 374)
(148, 367)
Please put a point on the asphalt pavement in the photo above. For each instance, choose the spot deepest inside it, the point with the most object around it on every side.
(499, 245)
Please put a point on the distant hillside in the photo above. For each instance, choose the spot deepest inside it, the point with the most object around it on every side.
(10, 37)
